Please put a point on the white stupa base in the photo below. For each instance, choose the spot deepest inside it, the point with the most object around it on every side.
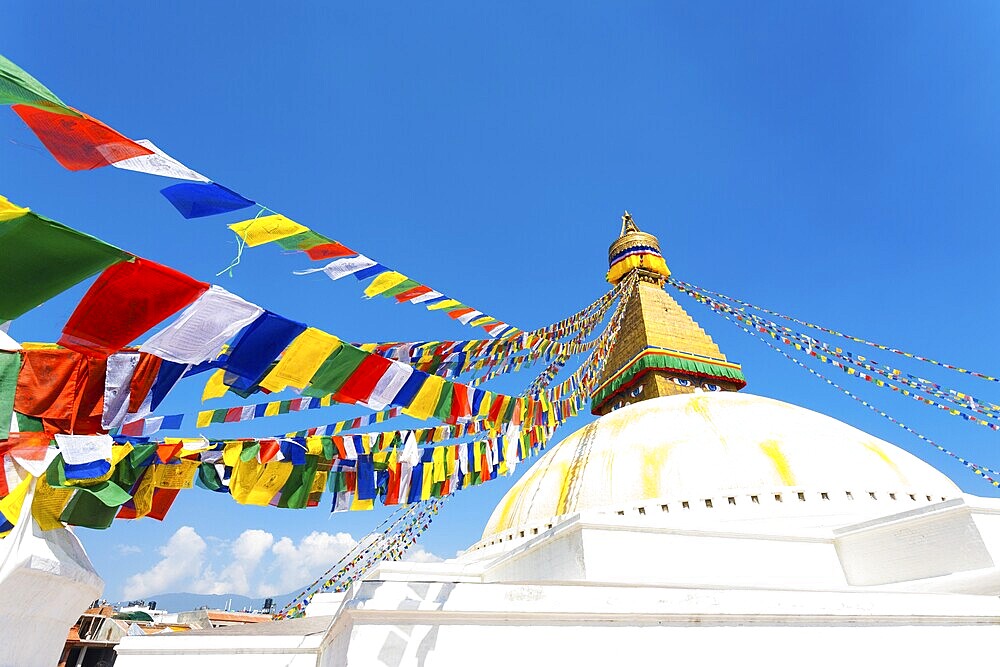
(605, 588)
(46, 583)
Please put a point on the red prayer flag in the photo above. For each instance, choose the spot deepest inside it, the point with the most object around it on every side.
(78, 143)
(127, 300)
(330, 250)
(460, 406)
(162, 500)
(359, 386)
(63, 388)
(413, 293)
(142, 380)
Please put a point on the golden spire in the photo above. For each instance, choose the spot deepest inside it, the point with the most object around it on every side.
(660, 350)
(635, 250)
(628, 224)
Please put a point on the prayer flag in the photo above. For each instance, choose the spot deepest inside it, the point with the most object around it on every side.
(258, 231)
(384, 282)
(197, 200)
(258, 345)
(301, 360)
(389, 385)
(127, 300)
(342, 267)
(43, 258)
(426, 400)
(19, 87)
(78, 142)
(158, 163)
(361, 383)
(199, 332)
(335, 371)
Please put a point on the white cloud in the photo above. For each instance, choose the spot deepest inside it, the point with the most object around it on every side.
(183, 554)
(256, 563)
(421, 555)
(128, 549)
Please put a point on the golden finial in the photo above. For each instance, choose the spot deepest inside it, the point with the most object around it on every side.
(628, 224)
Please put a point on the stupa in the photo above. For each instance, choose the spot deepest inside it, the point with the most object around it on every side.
(690, 523)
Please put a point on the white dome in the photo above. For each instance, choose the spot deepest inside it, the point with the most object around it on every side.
(709, 445)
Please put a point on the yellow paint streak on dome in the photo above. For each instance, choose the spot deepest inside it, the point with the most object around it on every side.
(875, 449)
(653, 461)
(773, 451)
(564, 487)
(699, 406)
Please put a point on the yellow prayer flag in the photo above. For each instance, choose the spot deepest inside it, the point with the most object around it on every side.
(176, 476)
(447, 303)
(273, 408)
(314, 444)
(9, 211)
(384, 282)
(215, 387)
(427, 484)
(258, 231)
(11, 504)
(254, 483)
(204, 418)
(142, 499)
(319, 482)
(301, 360)
(362, 505)
(426, 399)
(48, 504)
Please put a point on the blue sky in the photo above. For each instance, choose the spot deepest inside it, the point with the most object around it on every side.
(835, 161)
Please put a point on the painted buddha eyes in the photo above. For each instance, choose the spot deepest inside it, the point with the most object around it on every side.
(707, 386)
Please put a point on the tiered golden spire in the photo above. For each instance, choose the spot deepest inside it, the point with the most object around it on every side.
(660, 350)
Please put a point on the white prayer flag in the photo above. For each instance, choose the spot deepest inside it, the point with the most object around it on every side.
(159, 163)
(199, 333)
(389, 385)
(77, 449)
(342, 267)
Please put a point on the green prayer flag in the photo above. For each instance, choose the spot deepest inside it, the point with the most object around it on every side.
(250, 452)
(295, 492)
(28, 424)
(130, 469)
(334, 372)
(43, 258)
(443, 409)
(95, 506)
(208, 477)
(303, 240)
(10, 365)
(404, 286)
(19, 87)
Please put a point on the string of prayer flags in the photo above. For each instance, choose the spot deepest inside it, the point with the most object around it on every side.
(979, 470)
(43, 258)
(128, 299)
(198, 200)
(19, 87)
(158, 163)
(78, 142)
(689, 288)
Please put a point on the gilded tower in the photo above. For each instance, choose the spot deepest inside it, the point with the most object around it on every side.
(660, 350)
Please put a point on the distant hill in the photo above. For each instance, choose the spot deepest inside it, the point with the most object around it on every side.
(174, 602)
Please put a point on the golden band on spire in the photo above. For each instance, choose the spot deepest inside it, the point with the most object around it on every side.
(634, 250)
